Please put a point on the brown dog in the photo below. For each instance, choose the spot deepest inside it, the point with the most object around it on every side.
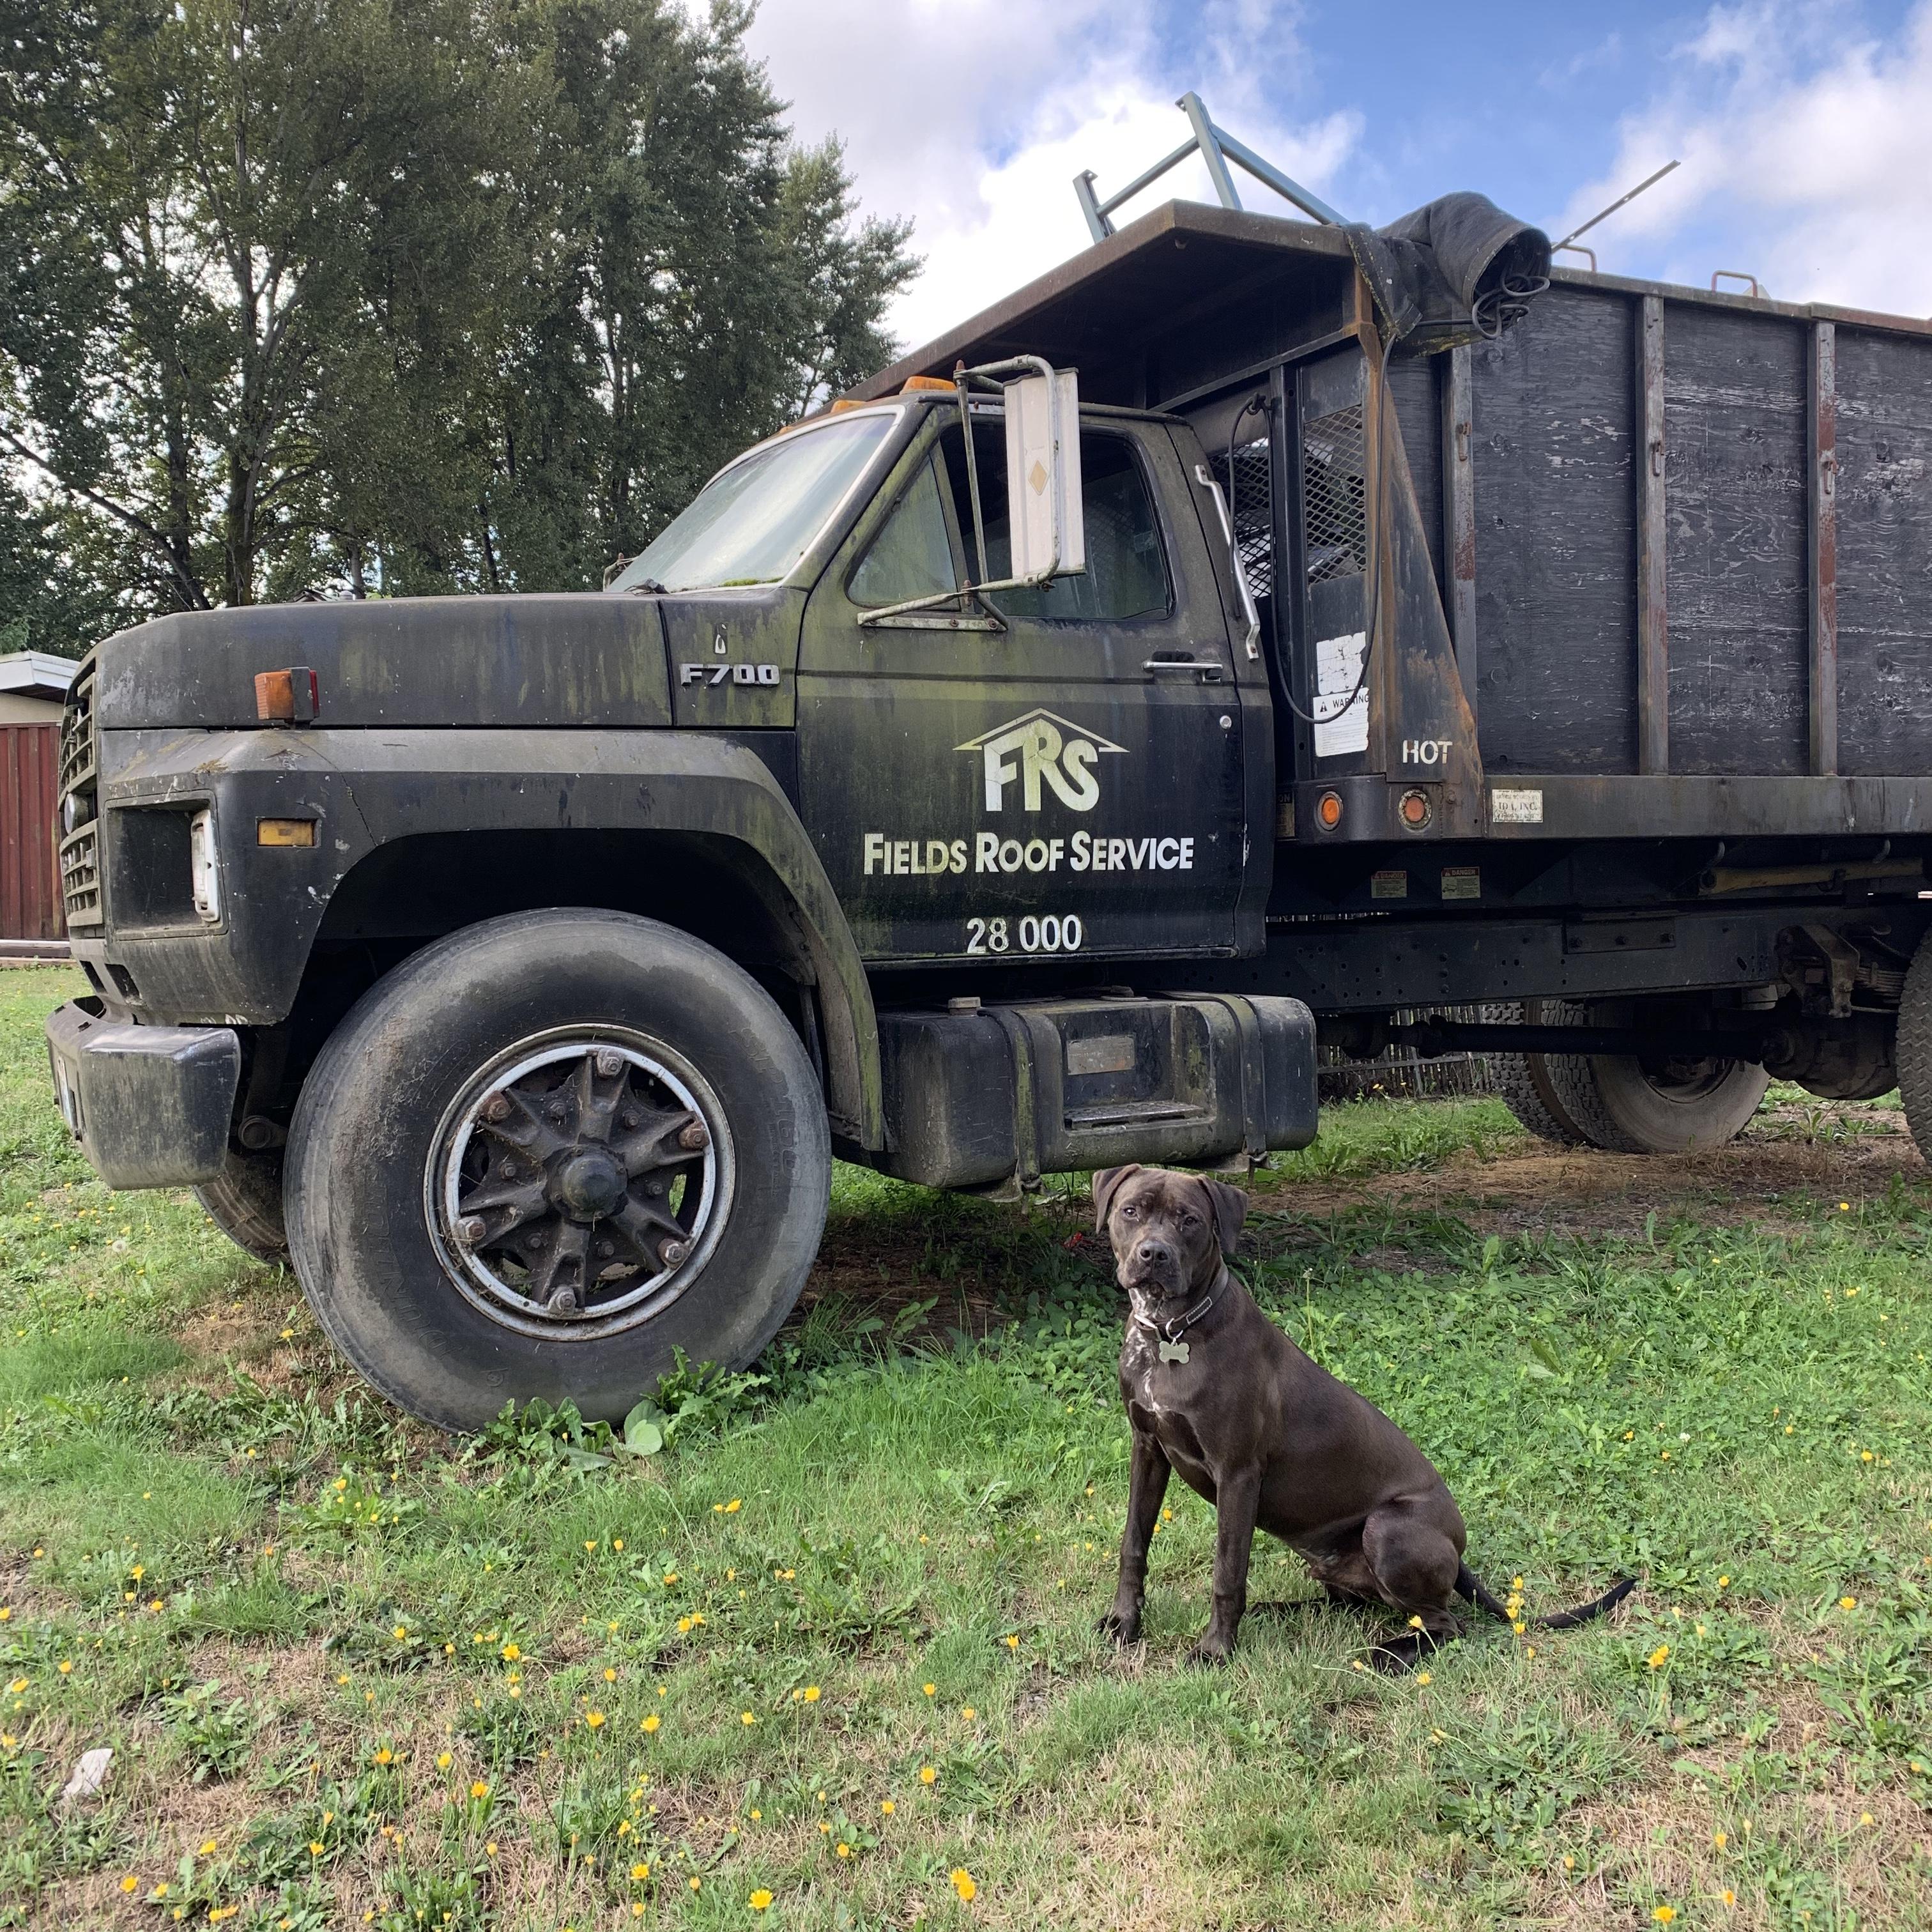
(1214, 1390)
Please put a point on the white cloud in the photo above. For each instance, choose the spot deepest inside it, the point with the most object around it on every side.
(973, 116)
(1806, 155)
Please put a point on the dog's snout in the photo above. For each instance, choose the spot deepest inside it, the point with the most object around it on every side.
(1153, 1252)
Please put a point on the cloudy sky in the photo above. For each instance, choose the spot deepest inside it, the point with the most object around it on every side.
(1805, 127)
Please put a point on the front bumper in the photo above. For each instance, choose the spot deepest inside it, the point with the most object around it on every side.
(150, 1104)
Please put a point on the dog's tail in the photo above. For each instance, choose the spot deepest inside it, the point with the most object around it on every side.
(1468, 1585)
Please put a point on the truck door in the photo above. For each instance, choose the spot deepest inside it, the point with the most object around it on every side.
(1063, 778)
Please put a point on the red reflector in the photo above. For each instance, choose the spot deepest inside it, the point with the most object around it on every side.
(291, 696)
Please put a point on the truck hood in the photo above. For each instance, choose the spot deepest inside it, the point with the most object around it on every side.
(538, 660)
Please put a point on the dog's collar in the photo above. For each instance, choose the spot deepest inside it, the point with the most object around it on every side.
(1173, 1329)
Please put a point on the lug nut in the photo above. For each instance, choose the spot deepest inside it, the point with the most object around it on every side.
(628, 1117)
(563, 1302)
(672, 1253)
(610, 1064)
(508, 1169)
(605, 1251)
(695, 1139)
(496, 1108)
(473, 1230)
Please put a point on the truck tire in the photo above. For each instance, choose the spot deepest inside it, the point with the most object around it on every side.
(1913, 1049)
(1523, 1079)
(1625, 1105)
(546, 1153)
(244, 1200)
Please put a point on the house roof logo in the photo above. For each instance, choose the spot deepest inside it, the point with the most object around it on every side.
(1041, 751)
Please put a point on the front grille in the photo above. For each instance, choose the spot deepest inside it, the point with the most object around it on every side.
(79, 851)
(77, 763)
(80, 875)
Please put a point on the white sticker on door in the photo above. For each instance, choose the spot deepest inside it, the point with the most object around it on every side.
(1341, 696)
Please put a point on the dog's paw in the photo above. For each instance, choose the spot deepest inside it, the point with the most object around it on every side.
(1210, 1653)
(1398, 1656)
(1123, 1630)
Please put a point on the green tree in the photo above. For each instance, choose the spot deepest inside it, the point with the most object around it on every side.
(432, 296)
(715, 284)
(218, 218)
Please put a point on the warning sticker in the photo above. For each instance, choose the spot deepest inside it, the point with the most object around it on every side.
(1388, 885)
(1462, 882)
(1341, 696)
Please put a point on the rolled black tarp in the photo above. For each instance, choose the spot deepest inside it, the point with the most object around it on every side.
(1454, 270)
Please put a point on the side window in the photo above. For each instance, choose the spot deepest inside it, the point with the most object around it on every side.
(1127, 573)
(912, 557)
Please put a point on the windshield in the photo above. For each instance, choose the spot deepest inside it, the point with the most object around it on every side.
(753, 521)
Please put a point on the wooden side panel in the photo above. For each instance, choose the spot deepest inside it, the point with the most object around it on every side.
(1412, 383)
(1653, 608)
(30, 903)
(1884, 553)
(1459, 522)
(1734, 390)
(1555, 510)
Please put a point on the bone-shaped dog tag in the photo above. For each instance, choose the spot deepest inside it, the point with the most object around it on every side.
(1173, 1352)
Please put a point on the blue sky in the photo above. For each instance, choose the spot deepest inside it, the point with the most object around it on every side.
(1805, 127)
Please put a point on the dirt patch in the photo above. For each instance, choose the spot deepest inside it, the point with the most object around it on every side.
(1777, 1175)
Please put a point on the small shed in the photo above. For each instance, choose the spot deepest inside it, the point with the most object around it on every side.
(33, 687)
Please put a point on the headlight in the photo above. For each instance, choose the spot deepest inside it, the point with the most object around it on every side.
(204, 870)
(76, 811)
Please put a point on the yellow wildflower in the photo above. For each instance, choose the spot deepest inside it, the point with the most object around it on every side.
(651, 1722)
(760, 1899)
(962, 1883)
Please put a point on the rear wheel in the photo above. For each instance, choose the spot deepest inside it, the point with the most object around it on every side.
(1523, 1078)
(1660, 1104)
(244, 1200)
(1913, 1049)
(545, 1154)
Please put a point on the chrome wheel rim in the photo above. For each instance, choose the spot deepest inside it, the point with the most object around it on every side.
(579, 1182)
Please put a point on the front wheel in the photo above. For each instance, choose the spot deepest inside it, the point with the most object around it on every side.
(546, 1153)
(244, 1200)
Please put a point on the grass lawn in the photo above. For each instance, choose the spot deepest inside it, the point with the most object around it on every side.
(829, 1660)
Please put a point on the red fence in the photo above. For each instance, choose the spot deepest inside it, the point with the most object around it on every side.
(30, 900)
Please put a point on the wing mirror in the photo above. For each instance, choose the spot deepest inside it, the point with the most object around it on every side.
(1045, 516)
(1044, 511)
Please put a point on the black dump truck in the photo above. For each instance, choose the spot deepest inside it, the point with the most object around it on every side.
(1251, 626)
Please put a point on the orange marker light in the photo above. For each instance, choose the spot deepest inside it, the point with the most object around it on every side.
(914, 383)
(1415, 809)
(292, 697)
(285, 831)
(1328, 810)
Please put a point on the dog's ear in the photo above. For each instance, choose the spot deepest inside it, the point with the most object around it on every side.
(1229, 1206)
(1108, 1183)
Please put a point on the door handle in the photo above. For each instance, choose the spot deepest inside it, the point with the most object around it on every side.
(1208, 673)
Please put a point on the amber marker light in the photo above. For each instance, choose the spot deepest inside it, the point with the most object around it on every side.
(913, 384)
(285, 831)
(1415, 810)
(1328, 810)
(292, 697)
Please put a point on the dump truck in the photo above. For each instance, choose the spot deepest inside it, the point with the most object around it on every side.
(1252, 627)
